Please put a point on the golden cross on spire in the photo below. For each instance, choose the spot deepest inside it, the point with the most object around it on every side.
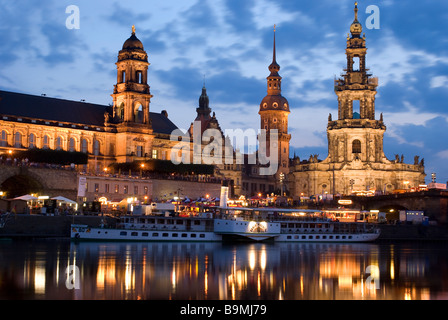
(274, 27)
(133, 29)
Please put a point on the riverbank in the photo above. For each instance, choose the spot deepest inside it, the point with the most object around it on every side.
(40, 226)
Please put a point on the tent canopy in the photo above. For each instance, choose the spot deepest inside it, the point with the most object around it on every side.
(26, 197)
(64, 199)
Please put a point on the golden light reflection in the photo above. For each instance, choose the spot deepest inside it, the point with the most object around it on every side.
(39, 279)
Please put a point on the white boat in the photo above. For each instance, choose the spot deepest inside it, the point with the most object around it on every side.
(233, 223)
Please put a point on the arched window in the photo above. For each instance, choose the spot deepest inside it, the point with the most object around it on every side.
(96, 147)
(138, 113)
(58, 143)
(4, 139)
(18, 140)
(46, 142)
(356, 146)
(84, 145)
(123, 76)
(71, 145)
(32, 141)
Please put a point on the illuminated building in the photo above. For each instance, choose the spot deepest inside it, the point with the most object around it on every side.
(356, 161)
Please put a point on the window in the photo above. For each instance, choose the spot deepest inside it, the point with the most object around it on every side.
(4, 139)
(145, 234)
(46, 142)
(146, 189)
(135, 189)
(139, 151)
(125, 189)
(123, 76)
(97, 187)
(356, 146)
(355, 63)
(71, 145)
(154, 154)
(106, 188)
(96, 147)
(84, 145)
(58, 143)
(134, 233)
(356, 109)
(117, 188)
(138, 113)
(32, 141)
(139, 77)
(123, 233)
(18, 140)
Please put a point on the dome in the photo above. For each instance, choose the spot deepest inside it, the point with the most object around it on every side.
(274, 102)
(133, 42)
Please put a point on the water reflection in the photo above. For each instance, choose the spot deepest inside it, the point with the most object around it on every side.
(37, 270)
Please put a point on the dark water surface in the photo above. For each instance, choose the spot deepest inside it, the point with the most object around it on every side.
(60, 269)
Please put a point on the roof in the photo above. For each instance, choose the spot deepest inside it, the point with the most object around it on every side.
(54, 109)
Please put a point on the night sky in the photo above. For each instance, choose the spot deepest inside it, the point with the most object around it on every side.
(229, 43)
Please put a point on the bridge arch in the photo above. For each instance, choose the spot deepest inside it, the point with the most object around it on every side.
(20, 184)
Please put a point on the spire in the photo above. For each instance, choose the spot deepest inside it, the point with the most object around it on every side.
(274, 67)
(356, 27)
(133, 29)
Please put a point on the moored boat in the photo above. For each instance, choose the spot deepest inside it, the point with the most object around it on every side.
(233, 223)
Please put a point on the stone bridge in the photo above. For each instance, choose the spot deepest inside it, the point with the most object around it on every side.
(17, 180)
(433, 202)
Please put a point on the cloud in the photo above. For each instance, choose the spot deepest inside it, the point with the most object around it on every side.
(439, 82)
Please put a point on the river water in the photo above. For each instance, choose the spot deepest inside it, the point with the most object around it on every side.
(63, 270)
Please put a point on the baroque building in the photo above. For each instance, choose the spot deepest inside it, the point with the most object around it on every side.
(124, 132)
(356, 161)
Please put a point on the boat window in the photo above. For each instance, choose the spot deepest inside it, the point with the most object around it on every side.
(197, 222)
(123, 233)
(184, 235)
(288, 237)
(202, 235)
(343, 237)
(155, 234)
(317, 237)
(324, 237)
(330, 237)
(303, 237)
(337, 237)
(310, 237)
(179, 222)
(193, 235)
(175, 235)
(134, 233)
(165, 234)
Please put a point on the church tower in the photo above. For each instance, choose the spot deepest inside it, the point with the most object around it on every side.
(274, 111)
(356, 135)
(356, 163)
(131, 100)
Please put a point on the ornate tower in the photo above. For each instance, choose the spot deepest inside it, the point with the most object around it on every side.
(131, 99)
(274, 111)
(131, 93)
(356, 135)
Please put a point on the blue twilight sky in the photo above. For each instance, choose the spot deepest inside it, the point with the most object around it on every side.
(230, 42)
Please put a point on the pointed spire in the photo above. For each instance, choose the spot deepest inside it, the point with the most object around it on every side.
(274, 67)
(356, 11)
